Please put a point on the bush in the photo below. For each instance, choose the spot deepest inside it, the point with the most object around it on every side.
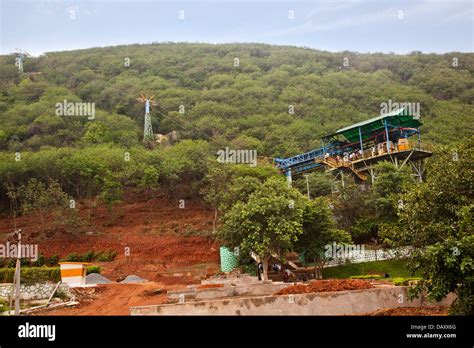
(25, 262)
(247, 264)
(31, 274)
(53, 260)
(399, 281)
(3, 305)
(88, 256)
(367, 276)
(108, 255)
(41, 261)
(93, 269)
(72, 257)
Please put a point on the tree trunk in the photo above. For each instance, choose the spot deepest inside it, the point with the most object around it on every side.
(214, 223)
(316, 271)
(319, 269)
(265, 268)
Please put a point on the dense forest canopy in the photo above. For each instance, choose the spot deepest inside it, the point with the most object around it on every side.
(229, 95)
(277, 100)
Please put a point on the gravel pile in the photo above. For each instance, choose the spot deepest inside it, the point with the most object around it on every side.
(133, 279)
(96, 278)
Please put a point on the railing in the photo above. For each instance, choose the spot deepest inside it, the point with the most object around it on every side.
(382, 150)
(317, 155)
(369, 255)
(298, 159)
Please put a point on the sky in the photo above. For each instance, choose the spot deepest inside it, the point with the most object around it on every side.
(357, 25)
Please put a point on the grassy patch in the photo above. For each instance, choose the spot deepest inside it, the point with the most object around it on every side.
(3, 305)
(367, 276)
(93, 269)
(404, 281)
(394, 268)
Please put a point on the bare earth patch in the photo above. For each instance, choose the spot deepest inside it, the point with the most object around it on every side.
(326, 285)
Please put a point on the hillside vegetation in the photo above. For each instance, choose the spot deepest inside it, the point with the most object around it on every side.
(236, 94)
(214, 96)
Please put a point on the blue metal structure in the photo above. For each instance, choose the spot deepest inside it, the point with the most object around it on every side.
(388, 128)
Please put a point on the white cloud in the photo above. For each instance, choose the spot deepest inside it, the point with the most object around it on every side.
(327, 18)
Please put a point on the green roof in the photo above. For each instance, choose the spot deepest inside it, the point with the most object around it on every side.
(397, 118)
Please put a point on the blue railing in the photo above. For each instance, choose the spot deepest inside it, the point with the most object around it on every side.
(298, 160)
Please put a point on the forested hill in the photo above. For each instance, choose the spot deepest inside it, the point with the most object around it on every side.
(229, 95)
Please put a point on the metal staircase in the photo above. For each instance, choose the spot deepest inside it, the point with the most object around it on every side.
(333, 165)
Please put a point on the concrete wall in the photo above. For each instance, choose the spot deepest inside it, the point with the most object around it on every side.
(194, 293)
(329, 303)
(232, 279)
(37, 291)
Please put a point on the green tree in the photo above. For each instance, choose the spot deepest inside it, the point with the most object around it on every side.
(217, 180)
(112, 191)
(320, 184)
(318, 231)
(38, 197)
(436, 219)
(269, 223)
(226, 184)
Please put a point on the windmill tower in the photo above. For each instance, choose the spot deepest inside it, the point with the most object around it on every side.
(20, 59)
(148, 136)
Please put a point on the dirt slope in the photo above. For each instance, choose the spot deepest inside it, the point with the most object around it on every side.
(112, 299)
(166, 243)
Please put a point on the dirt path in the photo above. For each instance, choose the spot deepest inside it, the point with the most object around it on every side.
(114, 299)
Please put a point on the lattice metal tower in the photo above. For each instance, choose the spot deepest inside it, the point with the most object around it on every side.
(20, 59)
(147, 127)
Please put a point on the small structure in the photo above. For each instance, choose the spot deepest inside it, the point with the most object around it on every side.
(228, 260)
(74, 273)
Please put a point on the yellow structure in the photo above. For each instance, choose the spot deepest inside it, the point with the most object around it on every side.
(74, 273)
(403, 144)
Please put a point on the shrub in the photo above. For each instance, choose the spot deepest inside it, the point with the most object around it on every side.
(53, 260)
(399, 281)
(88, 256)
(366, 276)
(31, 274)
(11, 262)
(25, 262)
(3, 305)
(107, 255)
(93, 269)
(72, 257)
(41, 261)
